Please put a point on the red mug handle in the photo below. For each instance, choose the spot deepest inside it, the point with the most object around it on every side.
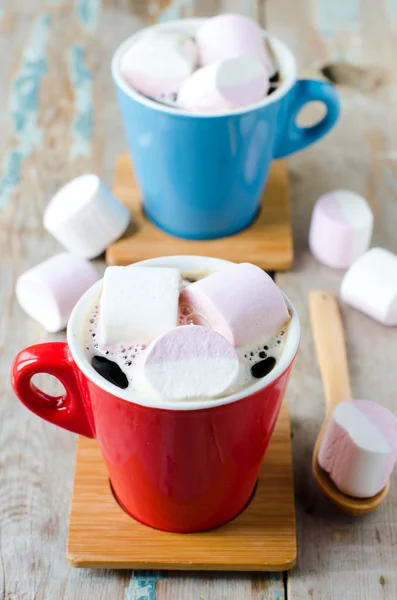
(69, 410)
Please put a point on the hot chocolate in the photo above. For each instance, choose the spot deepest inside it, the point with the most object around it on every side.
(121, 363)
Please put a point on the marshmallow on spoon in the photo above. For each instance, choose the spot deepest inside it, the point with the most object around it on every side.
(138, 304)
(228, 36)
(225, 85)
(188, 362)
(359, 448)
(85, 217)
(241, 302)
(340, 229)
(157, 63)
(370, 285)
(49, 291)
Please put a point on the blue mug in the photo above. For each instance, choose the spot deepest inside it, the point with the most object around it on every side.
(202, 176)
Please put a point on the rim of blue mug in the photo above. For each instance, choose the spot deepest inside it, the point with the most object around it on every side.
(285, 60)
(187, 264)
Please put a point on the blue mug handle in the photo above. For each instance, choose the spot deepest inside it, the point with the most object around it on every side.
(294, 138)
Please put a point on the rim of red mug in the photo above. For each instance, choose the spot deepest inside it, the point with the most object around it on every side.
(285, 61)
(186, 264)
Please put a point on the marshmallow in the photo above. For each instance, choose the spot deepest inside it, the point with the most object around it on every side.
(49, 291)
(158, 62)
(85, 217)
(225, 85)
(138, 304)
(370, 285)
(359, 448)
(340, 229)
(241, 302)
(188, 362)
(227, 36)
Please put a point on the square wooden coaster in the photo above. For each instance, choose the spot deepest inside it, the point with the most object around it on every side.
(261, 538)
(266, 243)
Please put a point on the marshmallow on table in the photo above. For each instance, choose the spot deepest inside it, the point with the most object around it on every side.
(85, 217)
(227, 36)
(225, 85)
(188, 362)
(138, 304)
(359, 448)
(370, 285)
(241, 302)
(340, 229)
(158, 62)
(49, 291)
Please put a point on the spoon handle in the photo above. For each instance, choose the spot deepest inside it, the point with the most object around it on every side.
(329, 341)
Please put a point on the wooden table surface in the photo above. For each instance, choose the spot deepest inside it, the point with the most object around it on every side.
(59, 118)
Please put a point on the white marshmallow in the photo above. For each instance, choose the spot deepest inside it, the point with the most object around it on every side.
(340, 229)
(241, 302)
(85, 217)
(49, 291)
(158, 62)
(370, 285)
(188, 362)
(359, 448)
(138, 304)
(225, 85)
(229, 35)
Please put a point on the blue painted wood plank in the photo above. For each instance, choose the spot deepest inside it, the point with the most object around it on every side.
(391, 10)
(23, 107)
(87, 14)
(174, 10)
(142, 585)
(82, 83)
(333, 17)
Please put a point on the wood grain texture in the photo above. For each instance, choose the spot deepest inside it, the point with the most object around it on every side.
(266, 243)
(221, 586)
(209, 8)
(261, 538)
(339, 556)
(329, 340)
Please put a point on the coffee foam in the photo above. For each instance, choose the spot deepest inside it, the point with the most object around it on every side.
(125, 355)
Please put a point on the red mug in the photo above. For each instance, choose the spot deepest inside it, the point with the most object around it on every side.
(175, 466)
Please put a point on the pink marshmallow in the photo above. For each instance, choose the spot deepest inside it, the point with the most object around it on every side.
(158, 62)
(359, 448)
(225, 85)
(227, 36)
(188, 362)
(241, 302)
(49, 291)
(340, 229)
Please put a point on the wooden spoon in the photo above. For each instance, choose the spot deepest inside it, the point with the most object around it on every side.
(329, 340)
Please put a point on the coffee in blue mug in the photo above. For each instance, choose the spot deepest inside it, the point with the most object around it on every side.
(202, 176)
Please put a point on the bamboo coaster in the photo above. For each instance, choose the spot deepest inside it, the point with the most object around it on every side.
(261, 538)
(266, 243)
